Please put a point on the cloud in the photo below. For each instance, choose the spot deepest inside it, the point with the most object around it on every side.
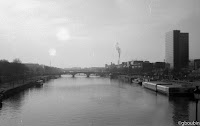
(60, 20)
(25, 5)
(52, 52)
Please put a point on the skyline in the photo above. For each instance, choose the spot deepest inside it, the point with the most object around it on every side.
(84, 33)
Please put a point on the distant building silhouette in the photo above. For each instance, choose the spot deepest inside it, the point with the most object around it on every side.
(177, 49)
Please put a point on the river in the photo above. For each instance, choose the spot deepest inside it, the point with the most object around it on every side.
(93, 101)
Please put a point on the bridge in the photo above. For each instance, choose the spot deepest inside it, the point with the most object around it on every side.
(87, 73)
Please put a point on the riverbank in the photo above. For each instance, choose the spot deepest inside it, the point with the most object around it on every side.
(9, 89)
(166, 87)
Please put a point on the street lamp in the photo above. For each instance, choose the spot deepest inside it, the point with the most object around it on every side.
(197, 97)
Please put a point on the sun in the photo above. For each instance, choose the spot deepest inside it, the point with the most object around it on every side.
(63, 34)
(52, 52)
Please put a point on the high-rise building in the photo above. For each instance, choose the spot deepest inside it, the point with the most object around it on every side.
(177, 49)
(196, 64)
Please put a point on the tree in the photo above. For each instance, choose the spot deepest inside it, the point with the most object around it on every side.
(4, 65)
(17, 60)
(4, 61)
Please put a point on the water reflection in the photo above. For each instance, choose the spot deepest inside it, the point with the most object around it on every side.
(180, 108)
(16, 101)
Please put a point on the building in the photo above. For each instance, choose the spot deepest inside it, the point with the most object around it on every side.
(177, 49)
(159, 65)
(129, 63)
(137, 64)
(112, 66)
(124, 64)
(147, 66)
(196, 64)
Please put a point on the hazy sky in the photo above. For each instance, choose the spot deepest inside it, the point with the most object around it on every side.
(84, 32)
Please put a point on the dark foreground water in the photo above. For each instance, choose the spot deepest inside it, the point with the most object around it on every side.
(93, 101)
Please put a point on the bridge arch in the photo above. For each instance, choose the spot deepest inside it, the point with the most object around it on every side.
(87, 73)
(74, 73)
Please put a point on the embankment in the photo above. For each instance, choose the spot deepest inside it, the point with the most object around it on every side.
(9, 89)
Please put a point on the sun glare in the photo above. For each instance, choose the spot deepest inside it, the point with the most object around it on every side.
(52, 52)
(63, 34)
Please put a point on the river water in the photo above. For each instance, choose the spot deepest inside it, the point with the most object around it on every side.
(93, 101)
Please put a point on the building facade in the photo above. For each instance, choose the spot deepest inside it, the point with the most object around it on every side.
(177, 49)
(159, 65)
(196, 64)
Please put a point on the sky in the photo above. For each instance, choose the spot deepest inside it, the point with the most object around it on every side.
(84, 33)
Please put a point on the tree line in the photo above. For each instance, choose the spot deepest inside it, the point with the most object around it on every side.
(16, 70)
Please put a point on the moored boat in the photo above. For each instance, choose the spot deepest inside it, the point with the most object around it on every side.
(137, 81)
(39, 83)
